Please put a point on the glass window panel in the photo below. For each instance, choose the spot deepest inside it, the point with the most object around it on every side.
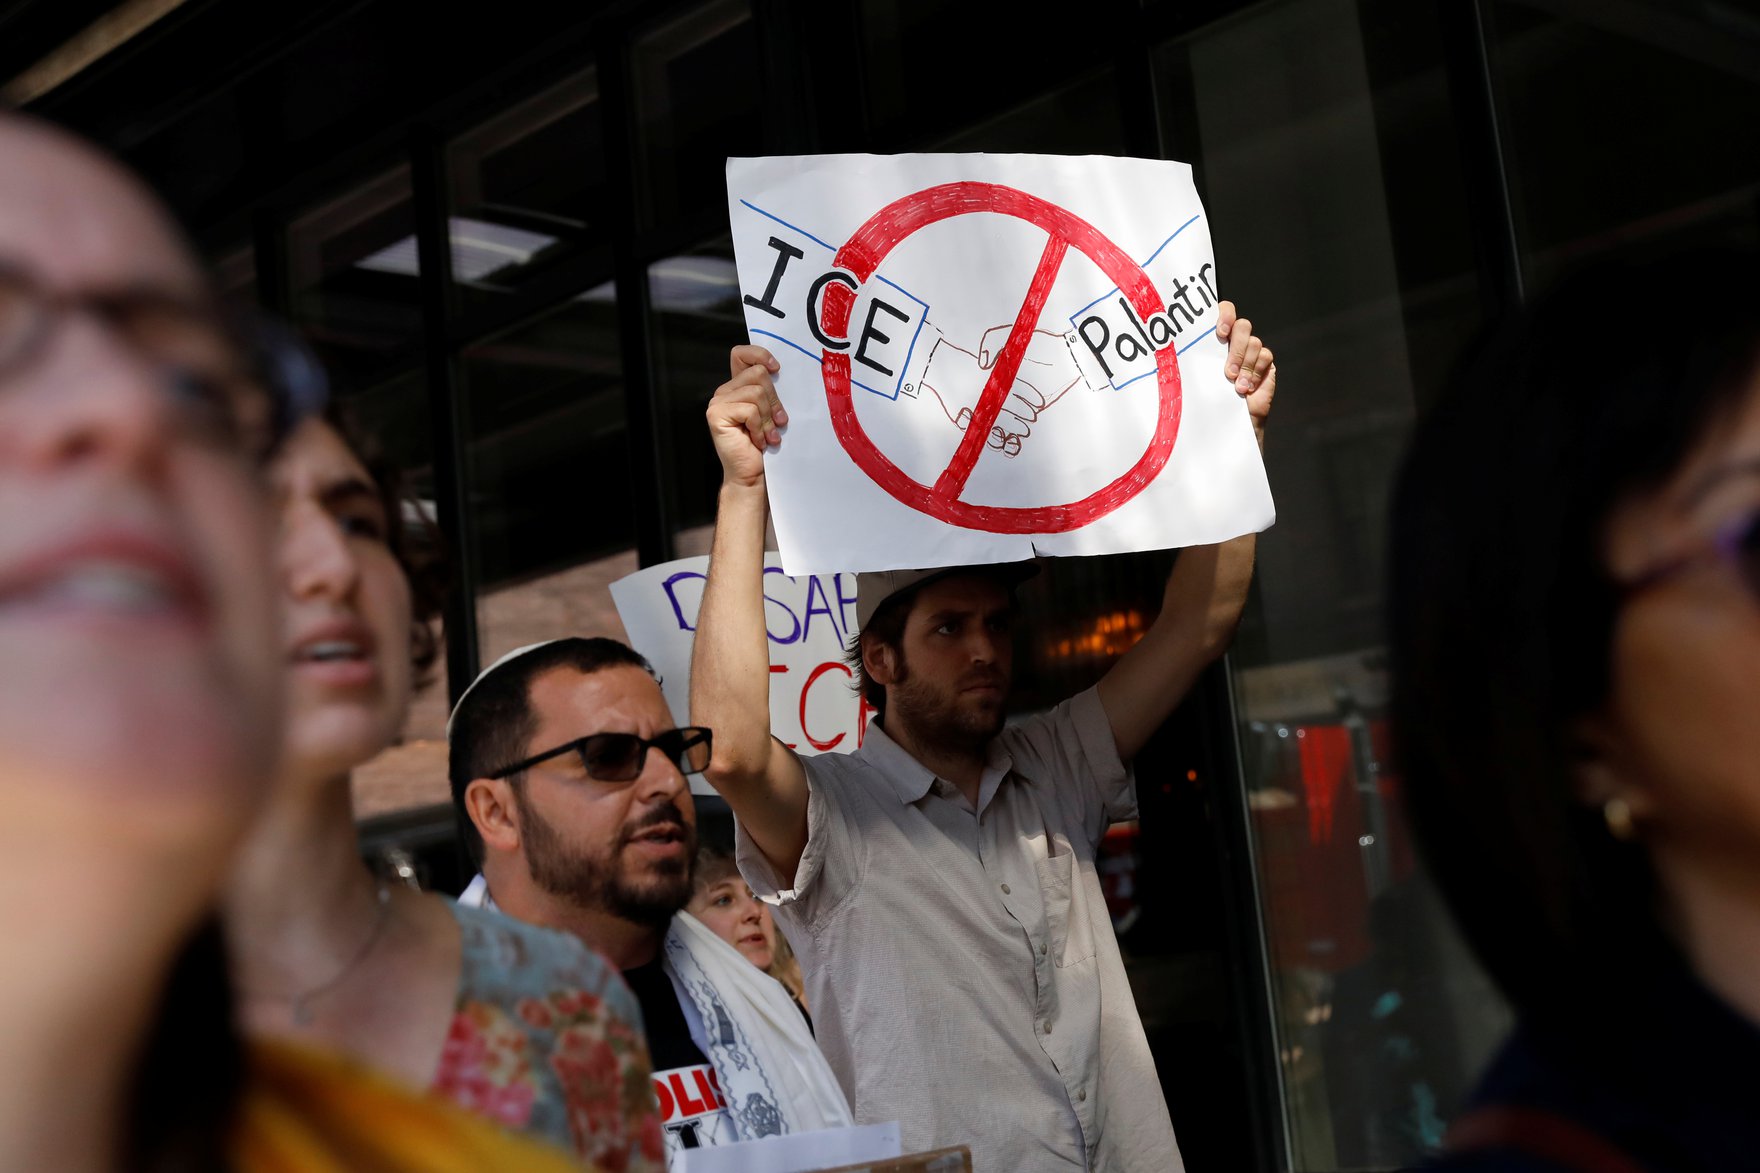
(575, 601)
(697, 102)
(411, 773)
(1623, 125)
(547, 451)
(1333, 189)
(932, 66)
(354, 270)
(697, 317)
(528, 191)
(235, 276)
(1082, 118)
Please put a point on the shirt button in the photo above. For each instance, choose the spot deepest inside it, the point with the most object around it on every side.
(1048, 1028)
(1082, 1097)
(1041, 949)
(1005, 889)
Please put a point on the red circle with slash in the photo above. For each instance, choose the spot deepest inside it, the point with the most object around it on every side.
(861, 256)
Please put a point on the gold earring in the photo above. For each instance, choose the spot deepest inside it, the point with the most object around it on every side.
(1620, 824)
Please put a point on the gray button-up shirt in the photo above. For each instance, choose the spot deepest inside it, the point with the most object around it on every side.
(961, 968)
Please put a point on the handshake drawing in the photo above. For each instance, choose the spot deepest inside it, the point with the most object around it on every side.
(956, 378)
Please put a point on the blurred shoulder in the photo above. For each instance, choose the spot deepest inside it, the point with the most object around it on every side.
(505, 959)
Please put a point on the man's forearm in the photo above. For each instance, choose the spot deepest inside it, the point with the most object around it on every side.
(1199, 614)
(730, 663)
(1206, 594)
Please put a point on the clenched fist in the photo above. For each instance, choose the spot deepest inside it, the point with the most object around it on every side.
(745, 414)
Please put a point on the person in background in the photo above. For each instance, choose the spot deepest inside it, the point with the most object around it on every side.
(941, 880)
(140, 709)
(566, 764)
(1575, 649)
(525, 1026)
(786, 966)
(723, 901)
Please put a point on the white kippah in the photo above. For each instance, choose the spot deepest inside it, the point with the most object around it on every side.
(485, 673)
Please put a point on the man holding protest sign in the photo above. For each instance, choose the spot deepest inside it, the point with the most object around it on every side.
(939, 883)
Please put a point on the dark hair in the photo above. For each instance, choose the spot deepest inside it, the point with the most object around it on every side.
(1502, 611)
(495, 720)
(886, 624)
(414, 539)
(191, 1074)
(713, 864)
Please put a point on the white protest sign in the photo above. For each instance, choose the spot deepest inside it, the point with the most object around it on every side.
(810, 619)
(989, 357)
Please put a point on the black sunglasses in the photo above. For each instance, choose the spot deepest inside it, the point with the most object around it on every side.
(618, 757)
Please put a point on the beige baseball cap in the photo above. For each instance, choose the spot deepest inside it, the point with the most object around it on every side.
(874, 587)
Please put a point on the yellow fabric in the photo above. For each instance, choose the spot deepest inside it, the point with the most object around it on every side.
(308, 1112)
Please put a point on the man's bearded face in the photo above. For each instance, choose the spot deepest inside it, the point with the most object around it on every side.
(610, 876)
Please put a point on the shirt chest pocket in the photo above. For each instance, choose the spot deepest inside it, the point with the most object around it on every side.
(1066, 917)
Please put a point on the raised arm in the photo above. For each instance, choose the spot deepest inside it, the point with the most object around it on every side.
(730, 663)
(1205, 592)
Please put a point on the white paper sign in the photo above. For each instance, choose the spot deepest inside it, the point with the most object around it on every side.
(800, 1152)
(988, 357)
(810, 620)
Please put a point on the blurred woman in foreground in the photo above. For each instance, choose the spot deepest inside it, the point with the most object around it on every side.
(521, 1024)
(1576, 655)
(140, 708)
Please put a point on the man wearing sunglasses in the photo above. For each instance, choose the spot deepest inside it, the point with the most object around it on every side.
(570, 781)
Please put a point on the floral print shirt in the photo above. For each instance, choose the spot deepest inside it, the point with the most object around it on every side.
(547, 1040)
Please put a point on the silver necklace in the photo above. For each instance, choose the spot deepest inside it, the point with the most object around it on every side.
(301, 1003)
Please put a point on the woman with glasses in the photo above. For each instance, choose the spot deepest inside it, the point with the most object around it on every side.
(524, 1026)
(1576, 657)
(140, 708)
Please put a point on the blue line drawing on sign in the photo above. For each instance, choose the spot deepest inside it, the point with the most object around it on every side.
(1117, 339)
(1145, 265)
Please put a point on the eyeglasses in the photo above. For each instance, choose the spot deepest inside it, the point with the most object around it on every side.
(240, 383)
(1736, 544)
(618, 757)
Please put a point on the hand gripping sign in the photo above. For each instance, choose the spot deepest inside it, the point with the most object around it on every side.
(809, 620)
(988, 357)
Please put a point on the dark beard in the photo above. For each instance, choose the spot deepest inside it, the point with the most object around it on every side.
(935, 726)
(596, 882)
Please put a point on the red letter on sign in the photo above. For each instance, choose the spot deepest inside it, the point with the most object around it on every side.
(821, 746)
(664, 1094)
(862, 716)
(776, 669)
(686, 1105)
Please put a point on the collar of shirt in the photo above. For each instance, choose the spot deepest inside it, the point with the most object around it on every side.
(911, 780)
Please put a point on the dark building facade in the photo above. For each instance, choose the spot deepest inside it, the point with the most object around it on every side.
(504, 228)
